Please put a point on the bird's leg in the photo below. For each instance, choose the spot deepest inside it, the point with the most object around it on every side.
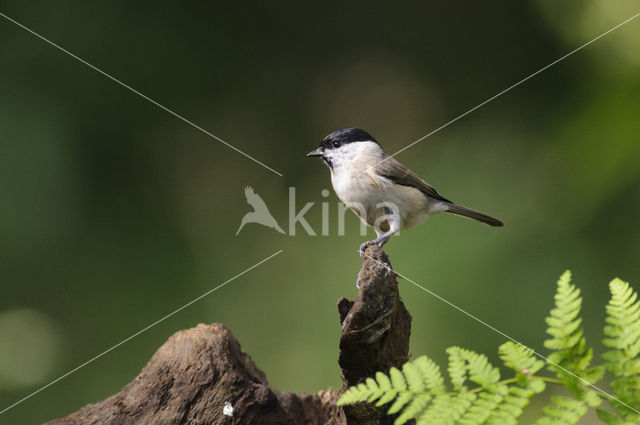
(390, 218)
(380, 240)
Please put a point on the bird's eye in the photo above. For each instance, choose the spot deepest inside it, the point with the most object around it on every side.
(336, 144)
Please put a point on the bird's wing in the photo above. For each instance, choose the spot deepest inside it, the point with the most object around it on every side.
(254, 199)
(391, 169)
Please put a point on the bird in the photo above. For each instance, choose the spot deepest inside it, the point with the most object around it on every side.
(260, 213)
(380, 190)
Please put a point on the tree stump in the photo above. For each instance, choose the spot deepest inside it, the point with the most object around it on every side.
(202, 376)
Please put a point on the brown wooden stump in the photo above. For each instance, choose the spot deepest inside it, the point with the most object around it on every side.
(199, 371)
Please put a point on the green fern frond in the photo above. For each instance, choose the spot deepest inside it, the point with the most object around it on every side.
(437, 412)
(484, 405)
(457, 368)
(508, 412)
(355, 394)
(414, 377)
(418, 391)
(466, 363)
(480, 370)
(388, 392)
(623, 332)
(431, 374)
(563, 411)
(397, 379)
(400, 402)
(623, 317)
(519, 358)
(570, 352)
(564, 323)
(413, 409)
(609, 418)
(446, 409)
(410, 390)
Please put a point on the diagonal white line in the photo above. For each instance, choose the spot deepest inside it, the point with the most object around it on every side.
(449, 303)
(509, 88)
(139, 332)
(109, 76)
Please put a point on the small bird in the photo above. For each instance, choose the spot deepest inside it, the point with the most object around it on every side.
(380, 190)
(260, 213)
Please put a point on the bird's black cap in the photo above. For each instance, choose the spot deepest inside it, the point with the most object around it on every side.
(347, 135)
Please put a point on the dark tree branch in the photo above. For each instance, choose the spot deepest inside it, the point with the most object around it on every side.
(199, 371)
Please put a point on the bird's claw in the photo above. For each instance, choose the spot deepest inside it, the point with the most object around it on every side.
(364, 247)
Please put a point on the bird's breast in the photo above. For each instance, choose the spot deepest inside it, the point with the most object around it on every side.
(371, 196)
(355, 187)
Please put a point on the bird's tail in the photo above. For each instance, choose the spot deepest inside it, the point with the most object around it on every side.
(476, 215)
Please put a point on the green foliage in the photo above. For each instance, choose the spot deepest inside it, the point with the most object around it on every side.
(609, 418)
(511, 408)
(570, 356)
(419, 391)
(479, 396)
(563, 411)
(623, 336)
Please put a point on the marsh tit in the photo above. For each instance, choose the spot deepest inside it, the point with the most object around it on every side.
(380, 190)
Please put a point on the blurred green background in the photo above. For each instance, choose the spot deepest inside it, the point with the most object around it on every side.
(114, 213)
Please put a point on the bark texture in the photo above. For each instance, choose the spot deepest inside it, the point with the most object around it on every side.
(202, 376)
(375, 332)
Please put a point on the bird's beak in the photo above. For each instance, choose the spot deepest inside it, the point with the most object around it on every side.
(317, 152)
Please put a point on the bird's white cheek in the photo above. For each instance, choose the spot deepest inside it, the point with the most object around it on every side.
(337, 158)
(346, 154)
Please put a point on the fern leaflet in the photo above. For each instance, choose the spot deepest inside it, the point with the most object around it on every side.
(479, 396)
(418, 391)
(563, 411)
(570, 352)
(623, 332)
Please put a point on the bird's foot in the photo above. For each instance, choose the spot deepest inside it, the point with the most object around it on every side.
(364, 247)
